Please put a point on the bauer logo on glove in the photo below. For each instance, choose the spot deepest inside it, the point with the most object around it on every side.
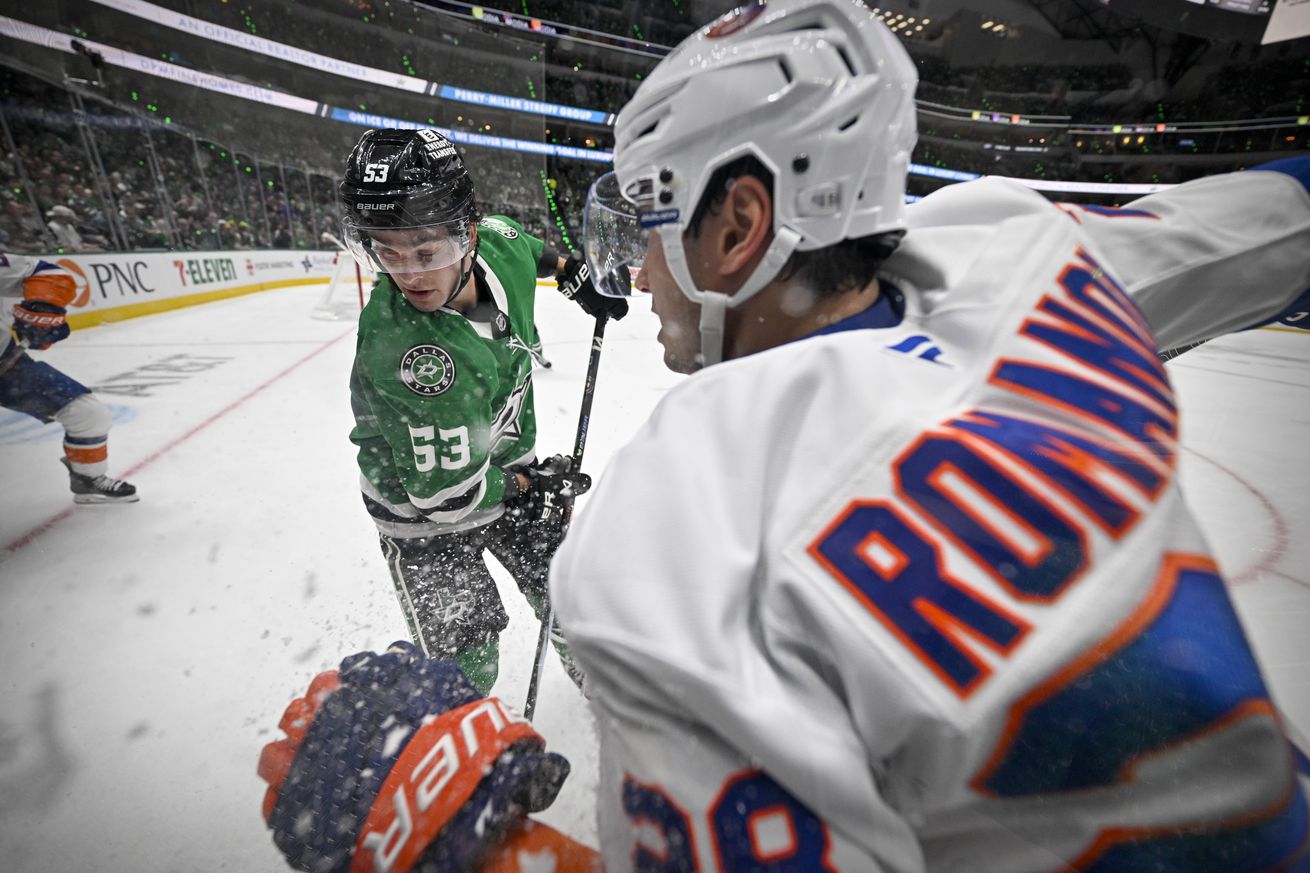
(38, 324)
(575, 283)
(553, 483)
(395, 763)
(571, 283)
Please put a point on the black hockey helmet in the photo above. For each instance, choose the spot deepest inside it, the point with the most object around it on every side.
(402, 180)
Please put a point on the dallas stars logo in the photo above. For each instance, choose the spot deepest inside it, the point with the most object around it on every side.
(427, 370)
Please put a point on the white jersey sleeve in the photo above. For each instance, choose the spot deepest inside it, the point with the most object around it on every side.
(14, 271)
(1205, 258)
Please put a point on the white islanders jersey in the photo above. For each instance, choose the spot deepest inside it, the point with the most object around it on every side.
(15, 270)
(926, 597)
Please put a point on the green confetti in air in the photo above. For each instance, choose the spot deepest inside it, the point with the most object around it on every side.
(554, 209)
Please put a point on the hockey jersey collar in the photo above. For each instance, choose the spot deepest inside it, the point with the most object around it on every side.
(887, 311)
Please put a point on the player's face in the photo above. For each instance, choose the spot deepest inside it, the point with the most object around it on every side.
(424, 264)
(679, 317)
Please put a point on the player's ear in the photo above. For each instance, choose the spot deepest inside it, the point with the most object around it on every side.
(747, 226)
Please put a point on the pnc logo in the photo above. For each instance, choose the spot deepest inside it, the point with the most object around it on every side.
(83, 285)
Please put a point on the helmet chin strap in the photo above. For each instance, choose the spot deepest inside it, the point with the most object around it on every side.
(713, 307)
(463, 276)
(715, 304)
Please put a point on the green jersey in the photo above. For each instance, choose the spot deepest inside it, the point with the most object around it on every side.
(442, 400)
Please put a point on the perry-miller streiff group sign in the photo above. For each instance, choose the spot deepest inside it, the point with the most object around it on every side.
(112, 287)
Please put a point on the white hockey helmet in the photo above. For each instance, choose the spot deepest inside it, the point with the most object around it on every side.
(819, 91)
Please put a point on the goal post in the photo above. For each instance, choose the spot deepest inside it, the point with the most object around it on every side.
(348, 290)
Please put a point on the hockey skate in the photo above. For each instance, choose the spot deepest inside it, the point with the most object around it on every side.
(98, 489)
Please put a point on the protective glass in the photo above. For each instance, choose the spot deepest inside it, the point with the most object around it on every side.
(615, 240)
(415, 249)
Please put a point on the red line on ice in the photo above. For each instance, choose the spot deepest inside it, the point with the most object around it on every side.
(1277, 549)
(35, 533)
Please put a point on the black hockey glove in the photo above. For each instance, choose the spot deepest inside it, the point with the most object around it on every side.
(552, 485)
(38, 324)
(575, 283)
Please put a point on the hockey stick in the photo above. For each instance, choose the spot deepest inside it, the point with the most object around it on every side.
(579, 445)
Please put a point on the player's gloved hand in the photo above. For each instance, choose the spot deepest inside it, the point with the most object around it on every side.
(378, 771)
(39, 324)
(575, 283)
(552, 485)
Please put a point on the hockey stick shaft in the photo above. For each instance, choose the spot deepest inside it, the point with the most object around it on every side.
(579, 446)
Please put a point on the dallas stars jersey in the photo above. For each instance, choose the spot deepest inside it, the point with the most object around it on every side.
(442, 402)
(920, 592)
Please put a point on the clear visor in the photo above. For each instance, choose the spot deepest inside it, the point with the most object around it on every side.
(615, 241)
(408, 249)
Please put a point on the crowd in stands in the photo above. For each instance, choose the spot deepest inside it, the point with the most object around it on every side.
(660, 23)
(138, 212)
(453, 49)
(1093, 94)
(161, 188)
(158, 189)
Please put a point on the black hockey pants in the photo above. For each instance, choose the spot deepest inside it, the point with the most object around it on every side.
(450, 600)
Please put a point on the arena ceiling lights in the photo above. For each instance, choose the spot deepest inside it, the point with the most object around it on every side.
(115, 57)
(900, 23)
(207, 30)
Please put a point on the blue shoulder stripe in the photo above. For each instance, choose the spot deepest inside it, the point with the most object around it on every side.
(1297, 168)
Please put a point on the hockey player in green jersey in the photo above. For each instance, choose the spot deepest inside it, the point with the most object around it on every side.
(442, 393)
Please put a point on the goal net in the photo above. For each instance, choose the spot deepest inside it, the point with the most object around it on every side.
(348, 290)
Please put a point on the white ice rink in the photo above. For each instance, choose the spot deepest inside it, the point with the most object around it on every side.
(148, 650)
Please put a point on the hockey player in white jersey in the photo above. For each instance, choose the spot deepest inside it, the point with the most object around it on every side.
(901, 579)
(34, 299)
